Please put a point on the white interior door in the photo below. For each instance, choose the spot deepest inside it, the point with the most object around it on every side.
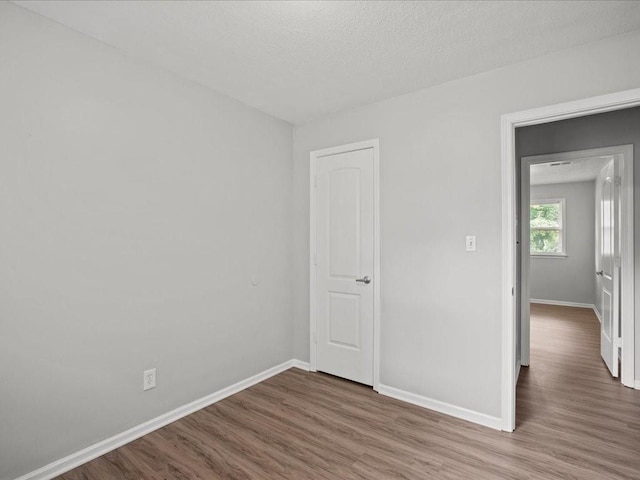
(607, 265)
(345, 264)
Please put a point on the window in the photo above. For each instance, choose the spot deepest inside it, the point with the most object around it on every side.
(546, 227)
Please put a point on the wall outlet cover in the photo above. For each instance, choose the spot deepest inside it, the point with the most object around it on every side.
(149, 379)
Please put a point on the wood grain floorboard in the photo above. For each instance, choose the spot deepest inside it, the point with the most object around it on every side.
(573, 422)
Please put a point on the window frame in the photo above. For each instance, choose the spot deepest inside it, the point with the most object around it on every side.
(562, 229)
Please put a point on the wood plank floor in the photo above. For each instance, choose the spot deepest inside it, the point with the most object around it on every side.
(574, 422)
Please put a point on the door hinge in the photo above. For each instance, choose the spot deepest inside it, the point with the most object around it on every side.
(617, 343)
(617, 181)
(513, 290)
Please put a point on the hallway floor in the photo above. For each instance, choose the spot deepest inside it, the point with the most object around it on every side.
(568, 396)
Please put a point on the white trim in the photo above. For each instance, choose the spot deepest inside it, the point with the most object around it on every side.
(313, 179)
(441, 407)
(627, 254)
(562, 303)
(313, 157)
(636, 385)
(509, 122)
(508, 394)
(525, 264)
(97, 449)
(300, 364)
(597, 312)
(376, 265)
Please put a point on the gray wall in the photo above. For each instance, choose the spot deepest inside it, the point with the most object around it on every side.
(134, 208)
(621, 127)
(570, 278)
(441, 180)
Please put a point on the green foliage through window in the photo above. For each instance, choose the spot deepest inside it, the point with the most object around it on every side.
(546, 228)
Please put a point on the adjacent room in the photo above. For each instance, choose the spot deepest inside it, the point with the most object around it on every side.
(574, 202)
(319, 239)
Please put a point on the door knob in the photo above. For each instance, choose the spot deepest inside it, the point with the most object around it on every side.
(600, 273)
(366, 280)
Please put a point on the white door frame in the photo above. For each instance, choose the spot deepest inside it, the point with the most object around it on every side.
(509, 122)
(315, 157)
(626, 248)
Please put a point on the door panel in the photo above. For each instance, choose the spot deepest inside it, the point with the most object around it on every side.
(344, 320)
(345, 254)
(607, 312)
(344, 222)
(607, 270)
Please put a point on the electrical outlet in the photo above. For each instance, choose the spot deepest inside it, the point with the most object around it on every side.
(149, 379)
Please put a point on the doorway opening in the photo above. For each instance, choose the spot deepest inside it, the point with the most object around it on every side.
(591, 111)
(575, 241)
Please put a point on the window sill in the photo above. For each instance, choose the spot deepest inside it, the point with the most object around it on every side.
(554, 255)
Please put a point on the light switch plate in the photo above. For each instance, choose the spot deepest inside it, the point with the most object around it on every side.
(470, 243)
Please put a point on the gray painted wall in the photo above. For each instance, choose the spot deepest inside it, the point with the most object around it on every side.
(621, 127)
(134, 208)
(441, 180)
(570, 278)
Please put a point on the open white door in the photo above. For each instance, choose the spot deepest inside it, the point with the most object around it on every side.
(607, 263)
(345, 274)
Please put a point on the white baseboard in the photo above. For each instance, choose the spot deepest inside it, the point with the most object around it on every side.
(81, 457)
(636, 385)
(568, 304)
(300, 364)
(94, 451)
(561, 303)
(597, 312)
(442, 407)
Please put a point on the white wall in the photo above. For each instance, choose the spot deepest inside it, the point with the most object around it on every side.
(440, 181)
(571, 278)
(134, 207)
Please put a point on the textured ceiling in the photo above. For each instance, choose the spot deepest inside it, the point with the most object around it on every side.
(579, 170)
(303, 60)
